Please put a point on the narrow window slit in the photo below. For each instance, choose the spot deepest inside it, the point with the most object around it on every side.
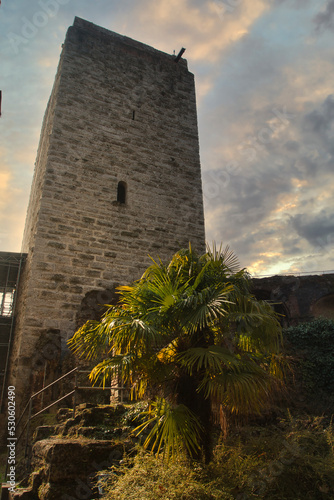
(121, 193)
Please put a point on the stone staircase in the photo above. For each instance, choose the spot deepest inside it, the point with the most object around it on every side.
(67, 457)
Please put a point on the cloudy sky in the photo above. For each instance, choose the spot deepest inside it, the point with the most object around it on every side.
(264, 74)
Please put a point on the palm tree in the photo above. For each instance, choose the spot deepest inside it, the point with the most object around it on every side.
(190, 336)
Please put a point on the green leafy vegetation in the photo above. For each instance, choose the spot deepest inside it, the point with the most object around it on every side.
(291, 460)
(148, 477)
(312, 345)
(190, 340)
(190, 337)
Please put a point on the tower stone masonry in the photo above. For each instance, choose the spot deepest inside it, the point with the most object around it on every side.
(117, 179)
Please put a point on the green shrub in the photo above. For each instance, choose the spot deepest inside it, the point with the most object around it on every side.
(313, 343)
(293, 460)
(304, 467)
(146, 477)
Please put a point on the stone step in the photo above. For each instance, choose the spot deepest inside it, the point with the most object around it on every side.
(22, 494)
(4, 491)
(69, 466)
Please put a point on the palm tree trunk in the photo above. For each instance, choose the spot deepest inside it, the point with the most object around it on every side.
(201, 407)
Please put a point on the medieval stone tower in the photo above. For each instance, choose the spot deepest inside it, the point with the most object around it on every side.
(117, 179)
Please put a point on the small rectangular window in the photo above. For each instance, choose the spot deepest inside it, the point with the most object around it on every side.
(121, 193)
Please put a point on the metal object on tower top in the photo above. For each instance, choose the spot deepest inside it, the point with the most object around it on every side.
(180, 54)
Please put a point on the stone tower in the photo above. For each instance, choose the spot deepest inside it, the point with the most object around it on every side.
(117, 179)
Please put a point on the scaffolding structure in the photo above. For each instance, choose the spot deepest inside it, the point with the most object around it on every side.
(10, 271)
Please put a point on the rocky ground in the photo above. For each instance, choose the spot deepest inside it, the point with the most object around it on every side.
(68, 456)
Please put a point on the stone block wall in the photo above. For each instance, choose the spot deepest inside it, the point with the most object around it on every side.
(298, 298)
(119, 112)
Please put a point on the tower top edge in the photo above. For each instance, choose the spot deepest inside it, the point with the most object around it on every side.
(92, 28)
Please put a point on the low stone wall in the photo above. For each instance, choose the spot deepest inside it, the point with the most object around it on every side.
(298, 298)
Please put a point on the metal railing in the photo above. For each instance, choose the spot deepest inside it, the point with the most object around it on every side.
(297, 273)
(29, 407)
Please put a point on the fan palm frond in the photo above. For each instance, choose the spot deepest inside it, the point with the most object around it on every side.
(242, 390)
(200, 309)
(120, 365)
(256, 323)
(224, 257)
(213, 359)
(171, 428)
(91, 340)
